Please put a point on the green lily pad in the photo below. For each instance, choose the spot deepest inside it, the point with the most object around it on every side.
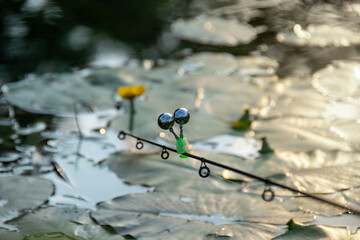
(214, 31)
(254, 68)
(338, 79)
(318, 232)
(325, 179)
(348, 110)
(181, 215)
(289, 97)
(211, 71)
(135, 73)
(321, 35)
(173, 71)
(62, 92)
(173, 173)
(241, 97)
(20, 193)
(346, 130)
(297, 98)
(9, 235)
(310, 205)
(299, 134)
(62, 223)
(208, 63)
(353, 197)
(244, 147)
(313, 172)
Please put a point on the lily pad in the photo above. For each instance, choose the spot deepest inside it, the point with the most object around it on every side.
(193, 216)
(214, 31)
(135, 73)
(207, 63)
(299, 134)
(324, 179)
(62, 92)
(298, 99)
(198, 64)
(318, 232)
(349, 221)
(321, 35)
(173, 173)
(8, 157)
(245, 147)
(353, 197)
(340, 79)
(256, 66)
(310, 205)
(239, 98)
(62, 223)
(346, 130)
(9, 235)
(22, 193)
(314, 172)
(348, 110)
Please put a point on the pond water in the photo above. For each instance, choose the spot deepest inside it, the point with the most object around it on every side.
(272, 87)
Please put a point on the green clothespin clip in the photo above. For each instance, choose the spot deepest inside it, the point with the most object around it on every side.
(166, 121)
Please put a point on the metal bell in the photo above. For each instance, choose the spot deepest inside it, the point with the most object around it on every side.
(166, 121)
(182, 116)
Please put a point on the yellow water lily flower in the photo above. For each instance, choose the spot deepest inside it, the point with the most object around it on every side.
(131, 92)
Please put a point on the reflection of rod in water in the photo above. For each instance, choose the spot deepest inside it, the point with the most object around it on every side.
(267, 181)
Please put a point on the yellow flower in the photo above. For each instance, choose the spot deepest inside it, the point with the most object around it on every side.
(138, 90)
(131, 92)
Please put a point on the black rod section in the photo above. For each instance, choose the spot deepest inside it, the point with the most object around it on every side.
(250, 175)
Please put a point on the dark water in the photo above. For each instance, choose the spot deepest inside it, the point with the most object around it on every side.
(38, 36)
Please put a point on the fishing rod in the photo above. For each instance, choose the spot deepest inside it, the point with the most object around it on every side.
(182, 116)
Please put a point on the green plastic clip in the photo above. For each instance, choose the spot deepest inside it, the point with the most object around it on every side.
(182, 146)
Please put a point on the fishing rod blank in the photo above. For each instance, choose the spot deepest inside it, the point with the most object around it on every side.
(182, 116)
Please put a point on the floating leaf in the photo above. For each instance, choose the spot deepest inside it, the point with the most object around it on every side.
(313, 172)
(310, 205)
(236, 100)
(193, 216)
(173, 173)
(214, 31)
(8, 157)
(207, 63)
(324, 179)
(339, 79)
(347, 130)
(299, 134)
(9, 235)
(342, 110)
(321, 35)
(245, 147)
(296, 97)
(198, 64)
(349, 221)
(20, 193)
(62, 223)
(353, 197)
(318, 232)
(62, 92)
(256, 67)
